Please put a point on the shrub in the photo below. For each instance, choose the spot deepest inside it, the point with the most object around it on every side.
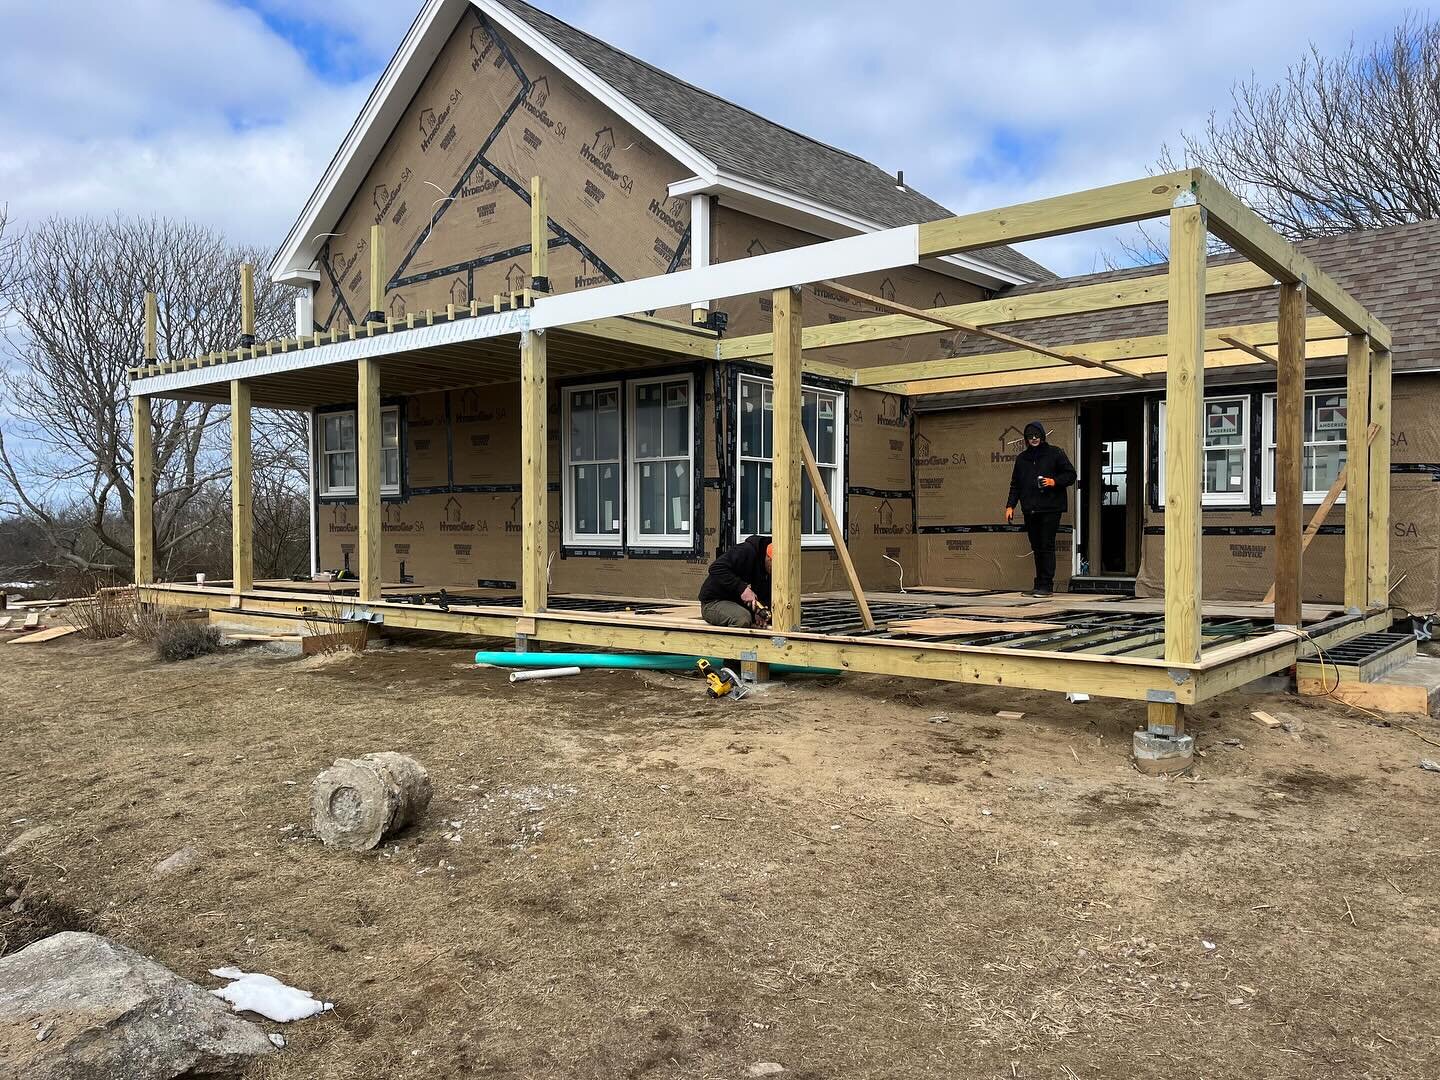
(107, 614)
(185, 639)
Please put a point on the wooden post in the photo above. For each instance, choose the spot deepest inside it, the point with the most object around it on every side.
(539, 237)
(837, 535)
(1289, 454)
(377, 275)
(534, 477)
(367, 430)
(1378, 560)
(247, 305)
(1184, 406)
(1357, 470)
(143, 495)
(150, 336)
(786, 313)
(242, 521)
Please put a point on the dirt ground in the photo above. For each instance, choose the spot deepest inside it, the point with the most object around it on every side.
(621, 878)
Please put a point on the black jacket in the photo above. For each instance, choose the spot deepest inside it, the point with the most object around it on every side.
(1033, 463)
(743, 564)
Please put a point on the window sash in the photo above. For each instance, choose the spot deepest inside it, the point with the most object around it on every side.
(1325, 441)
(661, 467)
(822, 414)
(339, 456)
(1225, 452)
(592, 464)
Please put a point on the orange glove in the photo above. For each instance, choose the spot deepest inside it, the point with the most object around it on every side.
(1009, 514)
(1047, 481)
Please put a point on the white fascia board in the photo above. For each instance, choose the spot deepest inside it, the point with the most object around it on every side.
(367, 136)
(761, 273)
(598, 88)
(395, 343)
(812, 216)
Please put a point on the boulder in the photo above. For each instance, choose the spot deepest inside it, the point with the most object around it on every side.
(358, 802)
(80, 1007)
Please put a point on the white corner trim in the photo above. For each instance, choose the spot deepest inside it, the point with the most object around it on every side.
(598, 88)
(699, 237)
(761, 273)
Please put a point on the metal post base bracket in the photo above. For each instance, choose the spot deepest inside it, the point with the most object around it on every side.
(1159, 755)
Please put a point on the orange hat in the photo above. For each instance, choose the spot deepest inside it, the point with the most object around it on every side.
(769, 551)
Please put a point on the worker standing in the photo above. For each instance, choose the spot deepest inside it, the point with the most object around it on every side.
(1038, 482)
(737, 590)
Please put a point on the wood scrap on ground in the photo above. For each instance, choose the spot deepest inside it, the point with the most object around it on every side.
(48, 634)
(940, 626)
(1266, 719)
(1007, 714)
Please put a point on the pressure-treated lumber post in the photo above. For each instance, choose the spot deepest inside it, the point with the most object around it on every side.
(377, 275)
(150, 335)
(1379, 531)
(1184, 405)
(539, 237)
(143, 496)
(786, 313)
(242, 521)
(1289, 454)
(367, 431)
(1357, 469)
(837, 536)
(534, 495)
(247, 305)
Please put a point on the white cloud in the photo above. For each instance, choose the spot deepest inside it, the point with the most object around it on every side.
(203, 109)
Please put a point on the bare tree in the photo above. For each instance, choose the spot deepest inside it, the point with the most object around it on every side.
(65, 448)
(1341, 143)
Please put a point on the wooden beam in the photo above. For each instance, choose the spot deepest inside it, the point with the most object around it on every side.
(1134, 200)
(1317, 519)
(1241, 228)
(247, 305)
(539, 233)
(242, 519)
(1253, 350)
(837, 534)
(143, 495)
(1184, 405)
(367, 431)
(534, 476)
(979, 331)
(1289, 455)
(377, 275)
(1378, 532)
(150, 336)
(1077, 300)
(1358, 434)
(787, 318)
(1111, 349)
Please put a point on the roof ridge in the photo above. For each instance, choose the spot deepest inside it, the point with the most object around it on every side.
(686, 82)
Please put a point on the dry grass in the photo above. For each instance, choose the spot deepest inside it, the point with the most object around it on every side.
(621, 878)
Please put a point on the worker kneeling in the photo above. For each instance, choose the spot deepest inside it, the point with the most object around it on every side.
(737, 590)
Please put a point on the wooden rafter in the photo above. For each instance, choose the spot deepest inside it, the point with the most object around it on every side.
(978, 331)
(1253, 350)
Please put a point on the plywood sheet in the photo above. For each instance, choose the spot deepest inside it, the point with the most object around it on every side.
(48, 634)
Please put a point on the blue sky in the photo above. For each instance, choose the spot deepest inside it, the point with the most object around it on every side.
(227, 111)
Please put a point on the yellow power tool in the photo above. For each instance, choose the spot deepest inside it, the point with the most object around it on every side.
(720, 682)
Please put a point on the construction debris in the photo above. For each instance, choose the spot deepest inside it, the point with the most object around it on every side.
(48, 634)
(1266, 719)
(1006, 714)
(356, 803)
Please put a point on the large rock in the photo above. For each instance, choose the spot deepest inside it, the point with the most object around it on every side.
(358, 802)
(80, 1007)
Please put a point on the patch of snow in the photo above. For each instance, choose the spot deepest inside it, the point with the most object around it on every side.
(267, 996)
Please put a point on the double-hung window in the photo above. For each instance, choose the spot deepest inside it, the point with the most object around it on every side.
(662, 446)
(340, 454)
(1225, 426)
(591, 483)
(822, 414)
(1325, 448)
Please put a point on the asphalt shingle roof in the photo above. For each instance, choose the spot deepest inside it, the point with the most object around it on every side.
(746, 144)
(1394, 272)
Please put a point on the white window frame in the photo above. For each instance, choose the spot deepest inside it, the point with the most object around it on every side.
(1267, 465)
(1211, 498)
(837, 483)
(567, 482)
(633, 463)
(323, 452)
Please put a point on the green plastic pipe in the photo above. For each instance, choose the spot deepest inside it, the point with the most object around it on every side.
(644, 661)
